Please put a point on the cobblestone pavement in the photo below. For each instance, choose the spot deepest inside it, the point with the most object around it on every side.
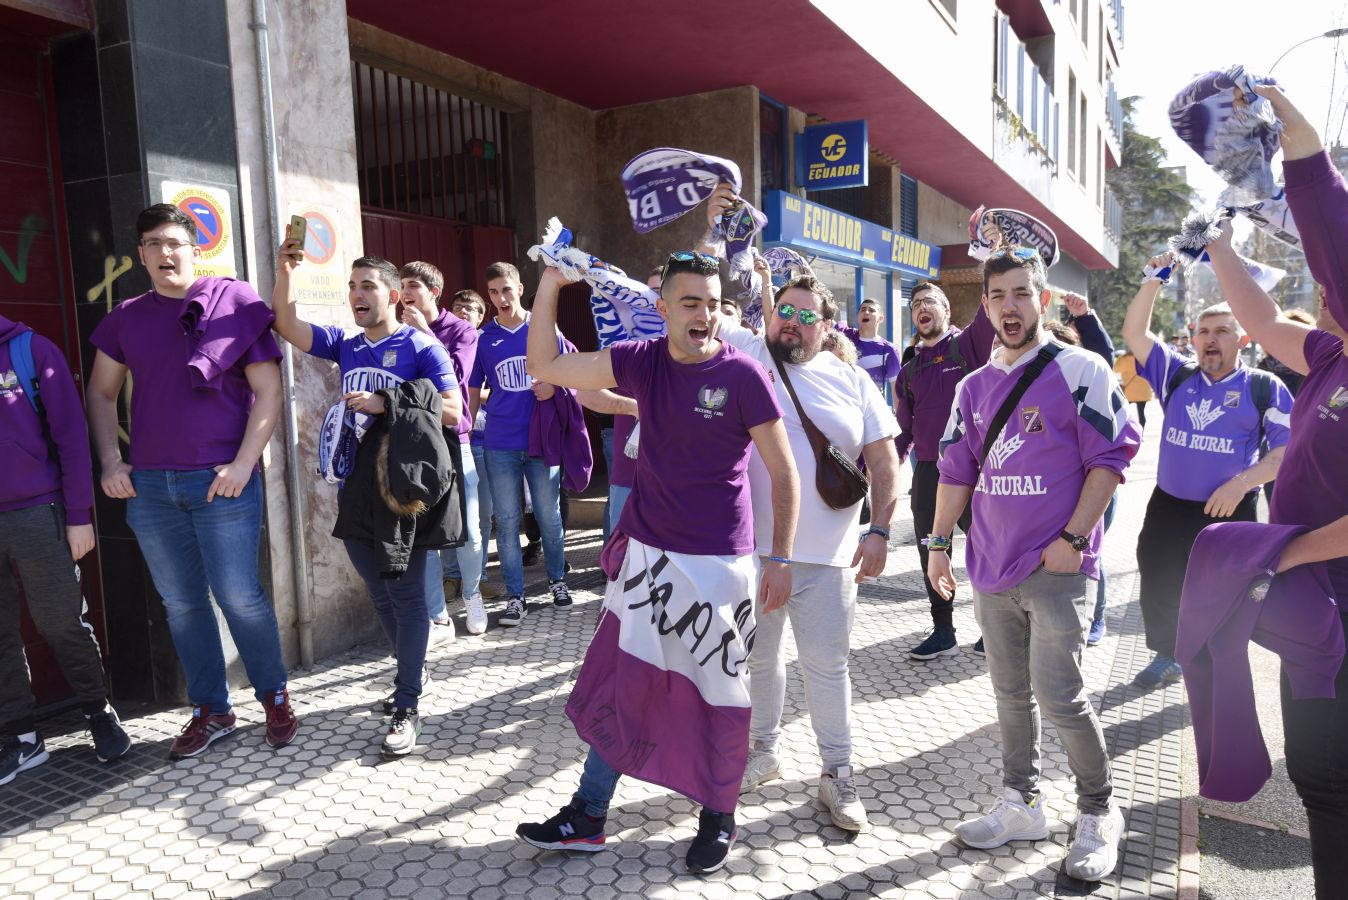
(326, 817)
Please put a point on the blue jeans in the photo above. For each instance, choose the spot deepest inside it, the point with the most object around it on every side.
(617, 499)
(479, 498)
(468, 558)
(606, 442)
(400, 605)
(1100, 588)
(196, 550)
(598, 781)
(504, 470)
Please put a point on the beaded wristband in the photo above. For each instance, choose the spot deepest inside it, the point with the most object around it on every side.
(937, 543)
(781, 559)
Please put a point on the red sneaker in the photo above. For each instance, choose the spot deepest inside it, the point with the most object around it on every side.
(281, 721)
(202, 730)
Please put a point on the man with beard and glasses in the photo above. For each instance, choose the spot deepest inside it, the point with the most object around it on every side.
(923, 395)
(1039, 439)
(1218, 411)
(645, 698)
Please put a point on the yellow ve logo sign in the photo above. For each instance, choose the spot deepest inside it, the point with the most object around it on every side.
(833, 148)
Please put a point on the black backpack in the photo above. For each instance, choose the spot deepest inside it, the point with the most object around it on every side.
(1261, 389)
(915, 367)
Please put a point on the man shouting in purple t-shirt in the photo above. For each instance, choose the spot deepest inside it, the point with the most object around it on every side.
(1039, 438)
(207, 393)
(652, 699)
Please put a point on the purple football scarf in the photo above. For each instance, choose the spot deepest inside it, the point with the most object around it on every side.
(990, 229)
(665, 183)
(663, 694)
(785, 263)
(623, 308)
(1233, 129)
(337, 441)
(1274, 217)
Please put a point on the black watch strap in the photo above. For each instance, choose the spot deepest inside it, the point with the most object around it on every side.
(876, 529)
(1079, 543)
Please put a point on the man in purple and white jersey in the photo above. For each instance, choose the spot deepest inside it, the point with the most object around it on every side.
(922, 399)
(382, 353)
(875, 355)
(1218, 411)
(501, 366)
(646, 699)
(1039, 488)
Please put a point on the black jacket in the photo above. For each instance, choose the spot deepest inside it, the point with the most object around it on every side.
(406, 487)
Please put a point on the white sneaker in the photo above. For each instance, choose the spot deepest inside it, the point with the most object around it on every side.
(440, 634)
(763, 766)
(838, 793)
(476, 613)
(1012, 819)
(1095, 850)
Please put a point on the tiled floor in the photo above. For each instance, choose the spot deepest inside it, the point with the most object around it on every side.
(327, 817)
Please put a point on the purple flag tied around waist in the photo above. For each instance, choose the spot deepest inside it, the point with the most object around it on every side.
(1196, 232)
(990, 229)
(1233, 129)
(666, 183)
(623, 308)
(785, 264)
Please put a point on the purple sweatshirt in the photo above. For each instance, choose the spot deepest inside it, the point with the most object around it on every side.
(32, 476)
(460, 339)
(1312, 490)
(1071, 420)
(925, 390)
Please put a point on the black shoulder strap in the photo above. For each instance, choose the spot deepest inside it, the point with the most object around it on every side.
(1032, 371)
(1178, 377)
(958, 355)
(1261, 394)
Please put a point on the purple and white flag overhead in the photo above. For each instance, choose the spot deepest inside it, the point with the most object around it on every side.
(1233, 129)
(785, 263)
(990, 229)
(623, 308)
(663, 694)
(1274, 217)
(666, 183)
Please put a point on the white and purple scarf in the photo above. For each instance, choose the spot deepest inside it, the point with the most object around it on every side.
(337, 441)
(663, 694)
(623, 308)
(1233, 129)
(991, 229)
(1197, 231)
(785, 264)
(666, 183)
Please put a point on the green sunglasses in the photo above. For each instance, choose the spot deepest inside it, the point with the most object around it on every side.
(787, 312)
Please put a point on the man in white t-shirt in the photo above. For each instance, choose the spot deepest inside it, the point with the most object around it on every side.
(844, 403)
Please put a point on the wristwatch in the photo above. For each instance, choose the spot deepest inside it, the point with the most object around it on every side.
(1079, 543)
(876, 529)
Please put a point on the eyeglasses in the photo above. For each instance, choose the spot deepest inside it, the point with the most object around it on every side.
(1020, 253)
(170, 245)
(929, 300)
(786, 312)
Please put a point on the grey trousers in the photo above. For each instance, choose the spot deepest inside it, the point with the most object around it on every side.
(33, 544)
(1034, 634)
(821, 610)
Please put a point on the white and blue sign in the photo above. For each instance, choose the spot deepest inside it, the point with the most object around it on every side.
(812, 227)
(831, 156)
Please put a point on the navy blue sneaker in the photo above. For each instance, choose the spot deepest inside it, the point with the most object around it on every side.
(715, 836)
(978, 648)
(18, 755)
(570, 829)
(941, 642)
(1161, 670)
(1097, 632)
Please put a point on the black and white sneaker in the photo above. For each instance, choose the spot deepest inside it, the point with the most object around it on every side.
(715, 836)
(570, 829)
(403, 731)
(391, 706)
(514, 612)
(561, 595)
(18, 755)
(110, 739)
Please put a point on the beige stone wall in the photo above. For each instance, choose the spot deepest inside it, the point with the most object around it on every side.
(941, 220)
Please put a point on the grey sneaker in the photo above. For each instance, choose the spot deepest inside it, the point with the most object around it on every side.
(427, 689)
(514, 612)
(838, 793)
(476, 613)
(1012, 819)
(403, 731)
(1095, 850)
(763, 766)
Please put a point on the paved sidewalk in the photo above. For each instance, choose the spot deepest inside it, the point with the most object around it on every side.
(327, 818)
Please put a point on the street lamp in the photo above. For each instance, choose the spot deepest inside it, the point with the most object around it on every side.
(1334, 33)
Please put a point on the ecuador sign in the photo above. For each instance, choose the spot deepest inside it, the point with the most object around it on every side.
(810, 227)
(832, 156)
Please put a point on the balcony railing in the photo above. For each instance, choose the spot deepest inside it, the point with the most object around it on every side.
(1118, 18)
(1113, 216)
(1023, 91)
(1114, 109)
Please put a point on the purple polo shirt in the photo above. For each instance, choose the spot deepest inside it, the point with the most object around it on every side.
(174, 424)
(1071, 420)
(1212, 428)
(876, 356)
(691, 490)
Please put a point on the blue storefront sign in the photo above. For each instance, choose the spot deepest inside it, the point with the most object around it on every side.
(810, 226)
(833, 155)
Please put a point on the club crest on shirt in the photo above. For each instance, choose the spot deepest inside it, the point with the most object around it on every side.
(8, 380)
(1337, 400)
(390, 358)
(710, 400)
(1031, 422)
(1231, 400)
